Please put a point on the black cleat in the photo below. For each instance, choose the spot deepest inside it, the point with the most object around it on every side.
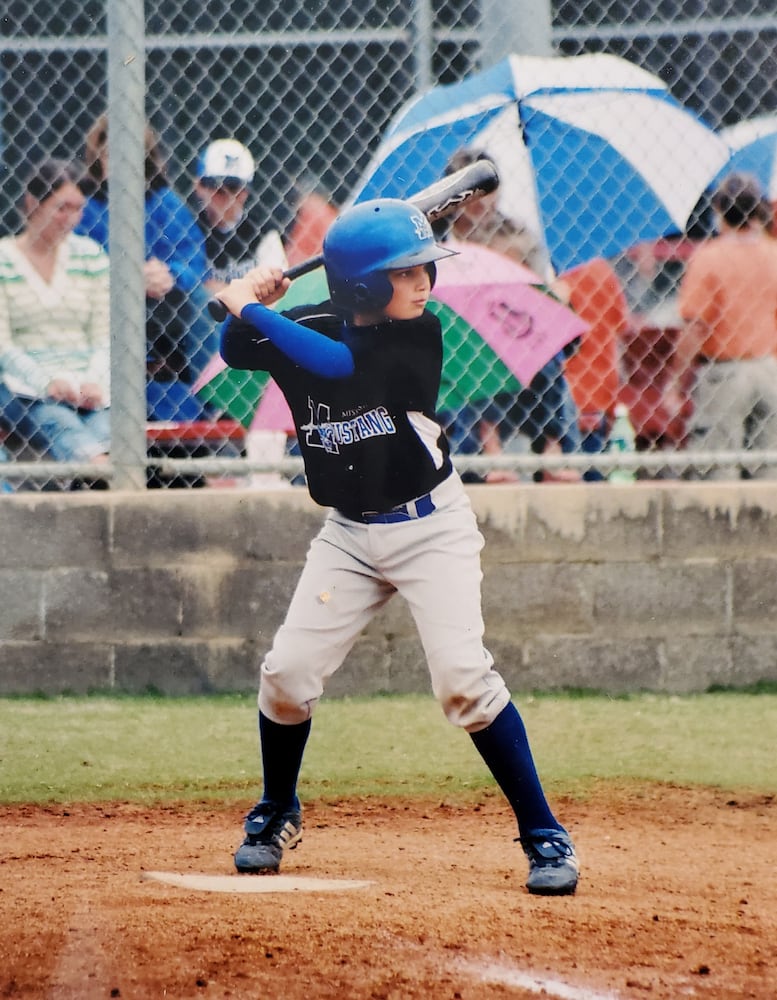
(553, 865)
(269, 831)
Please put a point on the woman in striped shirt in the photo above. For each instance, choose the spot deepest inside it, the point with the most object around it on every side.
(54, 324)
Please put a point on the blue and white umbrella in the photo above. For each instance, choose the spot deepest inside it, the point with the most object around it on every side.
(593, 153)
(754, 151)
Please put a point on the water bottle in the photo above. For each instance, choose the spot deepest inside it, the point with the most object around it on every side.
(622, 441)
(5, 486)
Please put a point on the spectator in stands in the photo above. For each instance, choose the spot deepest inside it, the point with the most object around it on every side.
(234, 242)
(482, 221)
(314, 213)
(540, 415)
(594, 291)
(179, 332)
(544, 411)
(234, 239)
(728, 301)
(54, 324)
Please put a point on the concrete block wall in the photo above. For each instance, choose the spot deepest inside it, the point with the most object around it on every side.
(653, 586)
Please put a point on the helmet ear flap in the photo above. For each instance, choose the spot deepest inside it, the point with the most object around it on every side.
(360, 295)
(374, 291)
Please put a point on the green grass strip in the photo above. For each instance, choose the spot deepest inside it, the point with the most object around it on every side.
(155, 749)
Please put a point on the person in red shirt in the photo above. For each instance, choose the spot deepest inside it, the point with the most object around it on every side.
(313, 216)
(595, 292)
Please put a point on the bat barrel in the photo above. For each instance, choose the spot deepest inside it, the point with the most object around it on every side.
(445, 196)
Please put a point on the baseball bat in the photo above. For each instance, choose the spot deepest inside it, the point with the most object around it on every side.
(435, 201)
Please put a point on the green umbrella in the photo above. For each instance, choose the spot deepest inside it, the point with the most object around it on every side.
(235, 393)
(471, 370)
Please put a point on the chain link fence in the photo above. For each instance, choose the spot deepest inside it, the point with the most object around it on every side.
(135, 93)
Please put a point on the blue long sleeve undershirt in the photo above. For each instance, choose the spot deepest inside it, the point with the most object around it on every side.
(305, 347)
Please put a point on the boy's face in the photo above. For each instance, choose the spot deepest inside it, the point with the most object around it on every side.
(412, 288)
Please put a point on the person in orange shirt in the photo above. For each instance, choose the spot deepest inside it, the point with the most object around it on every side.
(595, 292)
(728, 300)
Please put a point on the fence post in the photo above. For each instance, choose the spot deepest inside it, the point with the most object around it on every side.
(126, 240)
(423, 43)
(524, 27)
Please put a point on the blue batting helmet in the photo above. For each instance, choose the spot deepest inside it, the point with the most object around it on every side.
(368, 240)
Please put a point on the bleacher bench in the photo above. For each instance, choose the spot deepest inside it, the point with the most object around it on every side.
(167, 439)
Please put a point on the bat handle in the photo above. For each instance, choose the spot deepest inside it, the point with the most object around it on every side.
(218, 310)
(304, 267)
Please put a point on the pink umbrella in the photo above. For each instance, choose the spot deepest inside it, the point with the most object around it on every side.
(273, 413)
(209, 372)
(523, 324)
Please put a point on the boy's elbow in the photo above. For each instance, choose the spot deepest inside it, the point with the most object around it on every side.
(232, 358)
(238, 346)
(227, 346)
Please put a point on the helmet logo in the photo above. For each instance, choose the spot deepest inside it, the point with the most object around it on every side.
(423, 228)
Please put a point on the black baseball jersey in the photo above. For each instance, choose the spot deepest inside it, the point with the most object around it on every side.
(370, 441)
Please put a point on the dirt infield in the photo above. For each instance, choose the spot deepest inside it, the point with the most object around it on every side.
(678, 898)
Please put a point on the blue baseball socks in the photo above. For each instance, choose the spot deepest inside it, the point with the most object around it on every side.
(505, 749)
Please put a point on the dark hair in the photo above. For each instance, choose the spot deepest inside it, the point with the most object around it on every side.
(49, 176)
(740, 201)
(463, 158)
(97, 140)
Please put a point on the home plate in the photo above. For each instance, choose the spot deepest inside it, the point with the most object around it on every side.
(253, 883)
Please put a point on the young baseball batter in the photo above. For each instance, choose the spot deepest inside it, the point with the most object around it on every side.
(361, 375)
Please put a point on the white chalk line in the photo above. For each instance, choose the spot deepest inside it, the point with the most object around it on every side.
(508, 975)
(503, 973)
(81, 951)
